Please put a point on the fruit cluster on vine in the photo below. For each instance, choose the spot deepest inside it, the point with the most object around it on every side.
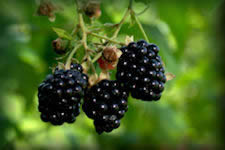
(139, 74)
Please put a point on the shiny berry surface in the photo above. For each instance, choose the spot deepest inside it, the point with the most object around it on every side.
(106, 104)
(60, 93)
(141, 69)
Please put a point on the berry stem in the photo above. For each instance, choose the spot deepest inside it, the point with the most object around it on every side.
(62, 57)
(130, 4)
(143, 11)
(82, 26)
(106, 38)
(96, 57)
(84, 32)
(119, 25)
(75, 30)
(73, 33)
(139, 25)
(84, 38)
(84, 41)
(91, 64)
(77, 5)
(69, 59)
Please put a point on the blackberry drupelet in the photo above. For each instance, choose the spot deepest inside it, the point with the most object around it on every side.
(60, 94)
(106, 104)
(141, 69)
(77, 67)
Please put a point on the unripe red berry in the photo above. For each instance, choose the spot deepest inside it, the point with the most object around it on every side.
(109, 58)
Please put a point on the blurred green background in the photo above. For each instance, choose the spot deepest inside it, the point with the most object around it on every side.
(188, 117)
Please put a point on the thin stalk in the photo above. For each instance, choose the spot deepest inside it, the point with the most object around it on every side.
(77, 5)
(75, 30)
(84, 32)
(130, 4)
(62, 57)
(96, 57)
(91, 64)
(140, 26)
(119, 25)
(106, 38)
(68, 61)
(143, 11)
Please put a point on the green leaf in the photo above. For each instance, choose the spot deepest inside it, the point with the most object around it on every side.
(62, 33)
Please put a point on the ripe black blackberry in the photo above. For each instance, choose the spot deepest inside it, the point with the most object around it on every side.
(60, 94)
(141, 69)
(106, 104)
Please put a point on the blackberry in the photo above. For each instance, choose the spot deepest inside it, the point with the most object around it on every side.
(60, 94)
(77, 67)
(140, 67)
(106, 104)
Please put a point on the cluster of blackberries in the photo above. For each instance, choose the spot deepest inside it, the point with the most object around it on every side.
(141, 69)
(106, 104)
(60, 94)
(139, 72)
